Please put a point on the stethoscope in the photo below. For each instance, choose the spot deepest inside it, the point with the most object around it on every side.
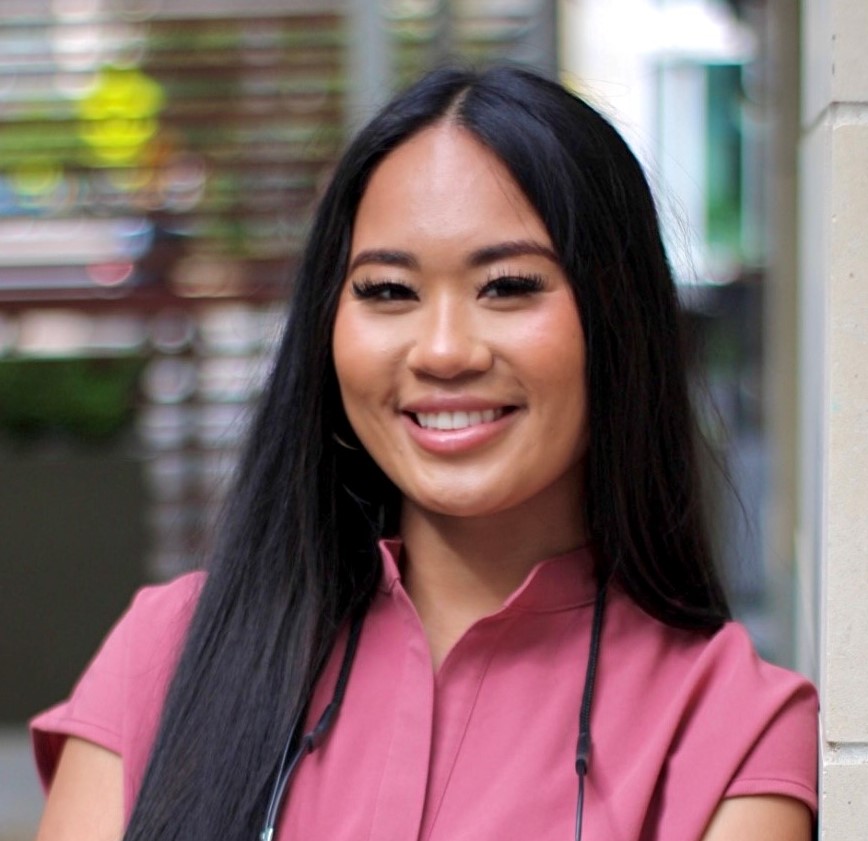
(311, 740)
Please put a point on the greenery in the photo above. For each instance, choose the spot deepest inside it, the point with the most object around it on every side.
(90, 399)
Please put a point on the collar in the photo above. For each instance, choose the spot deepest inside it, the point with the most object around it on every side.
(558, 583)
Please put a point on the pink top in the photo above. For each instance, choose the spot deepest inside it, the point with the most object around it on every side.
(485, 748)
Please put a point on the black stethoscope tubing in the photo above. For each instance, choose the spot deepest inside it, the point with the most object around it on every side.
(311, 740)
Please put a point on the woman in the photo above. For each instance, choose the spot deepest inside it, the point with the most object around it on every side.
(482, 363)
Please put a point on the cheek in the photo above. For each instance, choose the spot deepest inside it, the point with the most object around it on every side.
(364, 363)
(553, 346)
(350, 344)
(555, 358)
(348, 362)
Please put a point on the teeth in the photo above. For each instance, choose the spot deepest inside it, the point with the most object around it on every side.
(456, 420)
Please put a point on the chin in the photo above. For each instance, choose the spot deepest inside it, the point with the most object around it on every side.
(469, 506)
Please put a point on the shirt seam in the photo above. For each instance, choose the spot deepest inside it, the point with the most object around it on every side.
(72, 720)
(788, 780)
(430, 829)
(376, 818)
(553, 609)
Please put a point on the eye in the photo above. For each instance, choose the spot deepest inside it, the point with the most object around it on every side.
(511, 286)
(382, 290)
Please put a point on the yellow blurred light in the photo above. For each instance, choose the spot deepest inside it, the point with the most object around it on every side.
(119, 115)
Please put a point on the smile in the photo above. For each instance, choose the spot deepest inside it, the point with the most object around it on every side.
(447, 421)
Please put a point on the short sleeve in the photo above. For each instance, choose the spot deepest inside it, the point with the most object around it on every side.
(755, 722)
(117, 701)
(715, 721)
(783, 759)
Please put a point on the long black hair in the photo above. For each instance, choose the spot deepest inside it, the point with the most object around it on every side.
(297, 551)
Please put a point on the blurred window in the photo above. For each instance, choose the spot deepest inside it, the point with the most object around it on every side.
(159, 163)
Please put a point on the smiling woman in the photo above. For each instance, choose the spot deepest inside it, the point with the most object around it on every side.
(465, 537)
(461, 367)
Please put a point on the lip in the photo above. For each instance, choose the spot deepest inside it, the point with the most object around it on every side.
(453, 403)
(456, 441)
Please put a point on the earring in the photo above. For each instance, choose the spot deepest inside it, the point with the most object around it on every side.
(341, 443)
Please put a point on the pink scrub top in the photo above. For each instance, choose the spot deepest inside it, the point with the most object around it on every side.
(485, 748)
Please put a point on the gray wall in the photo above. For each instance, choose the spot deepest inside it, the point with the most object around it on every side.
(72, 541)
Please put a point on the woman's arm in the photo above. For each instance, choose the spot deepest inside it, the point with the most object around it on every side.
(760, 818)
(85, 801)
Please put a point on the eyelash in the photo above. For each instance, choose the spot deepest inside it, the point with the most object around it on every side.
(368, 289)
(505, 285)
(513, 284)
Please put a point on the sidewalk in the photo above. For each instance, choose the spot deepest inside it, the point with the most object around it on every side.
(20, 794)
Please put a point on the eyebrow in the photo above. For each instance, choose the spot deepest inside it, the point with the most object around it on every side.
(481, 257)
(384, 257)
(512, 248)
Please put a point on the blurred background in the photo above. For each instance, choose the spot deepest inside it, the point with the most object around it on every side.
(158, 166)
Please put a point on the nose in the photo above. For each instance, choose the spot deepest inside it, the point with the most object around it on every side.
(448, 343)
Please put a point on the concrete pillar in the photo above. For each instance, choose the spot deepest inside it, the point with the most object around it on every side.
(832, 544)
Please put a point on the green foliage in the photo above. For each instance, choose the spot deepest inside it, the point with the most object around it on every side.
(724, 142)
(90, 399)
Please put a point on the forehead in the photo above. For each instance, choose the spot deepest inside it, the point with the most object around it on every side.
(443, 187)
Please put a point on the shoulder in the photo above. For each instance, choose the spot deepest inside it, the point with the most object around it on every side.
(714, 673)
(723, 660)
(117, 700)
(145, 643)
(710, 703)
(150, 633)
(160, 614)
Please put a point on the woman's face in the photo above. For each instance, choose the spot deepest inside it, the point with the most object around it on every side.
(457, 344)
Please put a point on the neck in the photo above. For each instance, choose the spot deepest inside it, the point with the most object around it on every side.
(460, 569)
